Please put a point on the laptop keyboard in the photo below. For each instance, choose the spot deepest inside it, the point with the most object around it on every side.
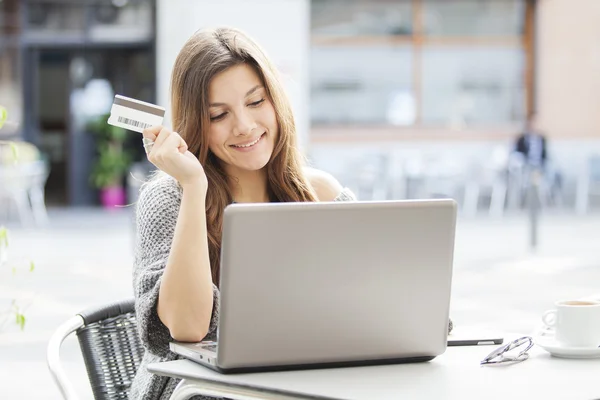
(210, 347)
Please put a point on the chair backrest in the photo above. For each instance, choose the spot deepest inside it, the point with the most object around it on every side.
(594, 168)
(23, 176)
(19, 152)
(111, 349)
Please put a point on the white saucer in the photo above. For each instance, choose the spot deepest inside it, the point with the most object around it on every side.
(547, 341)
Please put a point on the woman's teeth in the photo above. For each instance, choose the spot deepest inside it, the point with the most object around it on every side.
(249, 144)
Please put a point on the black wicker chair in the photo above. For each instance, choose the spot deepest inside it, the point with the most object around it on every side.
(110, 346)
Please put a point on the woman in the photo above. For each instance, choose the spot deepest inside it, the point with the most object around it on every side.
(233, 140)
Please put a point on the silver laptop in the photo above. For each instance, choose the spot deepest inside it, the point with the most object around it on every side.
(307, 285)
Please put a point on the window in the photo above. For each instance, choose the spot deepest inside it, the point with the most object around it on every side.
(351, 18)
(89, 21)
(471, 85)
(362, 85)
(420, 62)
(473, 18)
(66, 20)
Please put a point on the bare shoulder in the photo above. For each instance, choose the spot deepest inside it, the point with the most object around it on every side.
(325, 185)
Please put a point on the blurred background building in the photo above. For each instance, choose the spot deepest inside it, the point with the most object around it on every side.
(441, 89)
(60, 62)
(399, 98)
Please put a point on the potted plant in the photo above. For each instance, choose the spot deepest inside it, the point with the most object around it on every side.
(112, 162)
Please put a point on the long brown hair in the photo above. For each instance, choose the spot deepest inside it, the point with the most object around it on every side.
(206, 54)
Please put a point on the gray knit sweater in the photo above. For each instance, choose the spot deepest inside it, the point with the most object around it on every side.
(156, 216)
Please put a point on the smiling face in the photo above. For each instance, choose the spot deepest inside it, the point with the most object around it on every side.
(243, 124)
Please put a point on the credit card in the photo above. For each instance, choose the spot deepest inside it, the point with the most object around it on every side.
(135, 115)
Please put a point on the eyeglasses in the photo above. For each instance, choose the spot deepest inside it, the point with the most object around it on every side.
(500, 355)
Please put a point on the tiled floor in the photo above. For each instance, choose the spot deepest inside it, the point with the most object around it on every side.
(84, 258)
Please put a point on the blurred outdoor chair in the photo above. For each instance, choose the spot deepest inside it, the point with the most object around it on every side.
(22, 181)
(441, 176)
(414, 171)
(111, 349)
(553, 185)
(368, 176)
(397, 188)
(487, 177)
(588, 184)
(519, 178)
(516, 180)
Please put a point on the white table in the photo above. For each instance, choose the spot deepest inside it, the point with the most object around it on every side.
(454, 375)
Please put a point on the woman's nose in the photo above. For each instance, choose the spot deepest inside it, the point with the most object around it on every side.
(244, 124)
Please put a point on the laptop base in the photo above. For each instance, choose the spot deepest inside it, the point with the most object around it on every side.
(327, 365)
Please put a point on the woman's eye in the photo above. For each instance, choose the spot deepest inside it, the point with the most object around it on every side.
(218, 117)
(257, 103)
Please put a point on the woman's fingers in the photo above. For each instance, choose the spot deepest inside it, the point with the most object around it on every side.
(162, 136)
(159, 141)
(182, 145)
(152, 132)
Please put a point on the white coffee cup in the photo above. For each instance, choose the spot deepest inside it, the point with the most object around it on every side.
(576, 322)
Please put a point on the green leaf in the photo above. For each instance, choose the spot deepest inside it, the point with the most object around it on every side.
(31, 266)
(14, 270)
(3, 116)
(15, 151)
(3, 236)
(20, 319)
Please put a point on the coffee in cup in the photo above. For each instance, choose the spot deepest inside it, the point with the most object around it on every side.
(576, 322)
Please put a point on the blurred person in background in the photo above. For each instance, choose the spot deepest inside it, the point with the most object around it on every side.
(532, 144)
(233, 140)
